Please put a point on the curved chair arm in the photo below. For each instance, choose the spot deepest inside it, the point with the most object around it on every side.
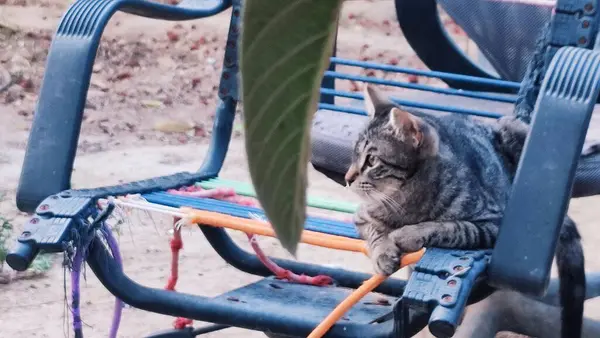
(55, 130)
(185, 10)
(542, 186)
(424, 32)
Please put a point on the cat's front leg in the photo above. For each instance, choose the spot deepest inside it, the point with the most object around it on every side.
(384, 254)
(445, 234)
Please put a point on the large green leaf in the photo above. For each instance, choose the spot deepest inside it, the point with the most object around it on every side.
(285, 50)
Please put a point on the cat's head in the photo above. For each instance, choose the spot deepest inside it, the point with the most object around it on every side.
(391, 147)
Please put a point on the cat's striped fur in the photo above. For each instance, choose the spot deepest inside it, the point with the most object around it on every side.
(443, 181)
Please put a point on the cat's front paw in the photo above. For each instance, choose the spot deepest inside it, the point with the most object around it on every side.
(409, 238)
(513, 124)
(386, 259)
(512, 131)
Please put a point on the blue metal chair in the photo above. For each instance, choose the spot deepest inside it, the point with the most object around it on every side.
(564, 107)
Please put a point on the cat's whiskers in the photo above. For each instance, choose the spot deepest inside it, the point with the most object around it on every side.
(387, 200)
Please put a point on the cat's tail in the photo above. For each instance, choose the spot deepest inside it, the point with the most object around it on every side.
(571, 271)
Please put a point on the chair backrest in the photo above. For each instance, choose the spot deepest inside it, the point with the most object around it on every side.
(505, 31)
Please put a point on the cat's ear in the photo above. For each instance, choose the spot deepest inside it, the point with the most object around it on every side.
(373, 99)
(406, 125)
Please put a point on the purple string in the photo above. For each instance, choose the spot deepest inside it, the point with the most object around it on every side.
(75, 293)
(118, 309)
(75, 286)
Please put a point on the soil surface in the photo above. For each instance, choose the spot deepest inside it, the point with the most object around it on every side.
(149, 110)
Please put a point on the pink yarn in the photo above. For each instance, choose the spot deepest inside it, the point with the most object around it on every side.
(229, 195)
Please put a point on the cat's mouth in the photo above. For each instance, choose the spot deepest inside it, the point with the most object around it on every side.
(367, 192)
(365, 186)
(362, 188)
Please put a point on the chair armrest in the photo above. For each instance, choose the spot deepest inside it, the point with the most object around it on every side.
(542, 186)
(185, 10)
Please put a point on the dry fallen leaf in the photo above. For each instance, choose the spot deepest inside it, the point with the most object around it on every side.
(173, 126)
(151, 103)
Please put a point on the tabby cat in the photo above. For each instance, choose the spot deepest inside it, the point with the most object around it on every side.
(443, 181)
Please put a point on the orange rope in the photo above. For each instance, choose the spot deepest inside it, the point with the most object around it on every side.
(256, 227)
(368, 286)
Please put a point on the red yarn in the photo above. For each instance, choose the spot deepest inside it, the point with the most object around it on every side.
(281, 273)
(229, 195)
(181, 323)
(223, 194)
(176, 245)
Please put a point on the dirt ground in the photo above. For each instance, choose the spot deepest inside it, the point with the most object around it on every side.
(150, 75)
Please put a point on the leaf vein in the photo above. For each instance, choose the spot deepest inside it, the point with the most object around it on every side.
(284, 58)
(279, 16)
(279, 119)
(257, 119)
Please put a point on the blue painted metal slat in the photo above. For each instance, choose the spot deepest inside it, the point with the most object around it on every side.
(317, 224)
(415, 86)
(433, 74)
(406, 103)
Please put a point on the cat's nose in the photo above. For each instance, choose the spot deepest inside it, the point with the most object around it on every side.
(351, 176)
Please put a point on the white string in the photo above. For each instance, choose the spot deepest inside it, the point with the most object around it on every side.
(125, 202)
(138, 202)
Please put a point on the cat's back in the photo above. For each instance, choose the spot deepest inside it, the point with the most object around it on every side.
(458, 126)
(468, 161)
(463, 135)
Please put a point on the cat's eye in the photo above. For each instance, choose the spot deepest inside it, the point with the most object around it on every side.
(370, 160)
